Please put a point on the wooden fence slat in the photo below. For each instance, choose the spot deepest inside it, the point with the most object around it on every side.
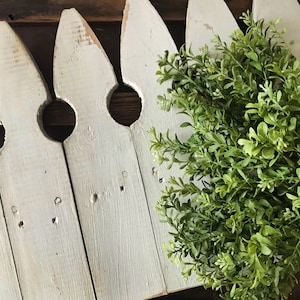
(104, 170)
(35, 187)
(205, 19)
(9, 285)
(144, 37)
(289, 14)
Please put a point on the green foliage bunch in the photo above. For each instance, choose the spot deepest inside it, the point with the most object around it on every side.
(239, 233)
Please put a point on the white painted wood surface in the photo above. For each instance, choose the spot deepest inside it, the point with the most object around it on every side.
(104, 170)
(35, 188)
(205, 19)
(289, 13)
(116, 181)
(9, 285)
(144, 37)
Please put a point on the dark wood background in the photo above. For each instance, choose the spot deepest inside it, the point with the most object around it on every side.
(36, 22)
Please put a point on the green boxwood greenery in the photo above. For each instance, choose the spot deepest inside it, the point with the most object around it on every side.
(240, 232)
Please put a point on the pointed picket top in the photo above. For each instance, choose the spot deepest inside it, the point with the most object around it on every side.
(86, 67)
(107, 183)
(205, 19)
(14, 60)
(44, 232)
(289, 14)
(144, 37)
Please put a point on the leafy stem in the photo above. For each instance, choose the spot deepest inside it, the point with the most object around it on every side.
(239, 233)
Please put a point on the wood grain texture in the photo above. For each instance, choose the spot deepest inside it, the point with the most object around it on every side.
(107, 183)
(92, 10)
(35, 188)
(35, 22)
(205, 19)
(9, 285)
(289, 15)
(142, 41)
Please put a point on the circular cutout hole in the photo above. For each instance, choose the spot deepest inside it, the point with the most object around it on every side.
(2, 135)
(125, 105)
(58, 119)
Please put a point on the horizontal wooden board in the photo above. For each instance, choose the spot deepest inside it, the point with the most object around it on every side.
(95, 10)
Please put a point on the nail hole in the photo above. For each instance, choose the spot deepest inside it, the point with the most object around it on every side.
(57, 200)
(161, 180)
(58, 120)
(2, 135)
(154, 171)
(122, 188)
(14, 209)
(94, 198)
(125, 107)
(21, 224)
(54, 220)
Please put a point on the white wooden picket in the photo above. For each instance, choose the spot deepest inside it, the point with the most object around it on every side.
(9, 286)
(144, 37)
(204, 20)
(35, 189)
(105, 242)
(288, 12)
(104, 170)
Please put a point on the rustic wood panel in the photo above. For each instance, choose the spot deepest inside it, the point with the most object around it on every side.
(107, 183)
(36, 193)
(141, 42)
(33, 20)
(9, 285)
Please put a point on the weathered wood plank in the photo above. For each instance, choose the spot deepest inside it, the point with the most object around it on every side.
(35, 188)
(94, 10)
(289, 16)
(141, 43)
(104, 170)
(205, 19)
(9, 285)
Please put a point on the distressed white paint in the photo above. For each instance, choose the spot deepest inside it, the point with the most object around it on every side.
(104, 170)
(45, 235)
(116, 181)
(9, 286)
(144, 37)
(205, 19)
(289, 13)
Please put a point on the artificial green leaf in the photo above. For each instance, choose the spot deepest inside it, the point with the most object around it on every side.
(252, 55)
(234, 207)
(268, 153)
